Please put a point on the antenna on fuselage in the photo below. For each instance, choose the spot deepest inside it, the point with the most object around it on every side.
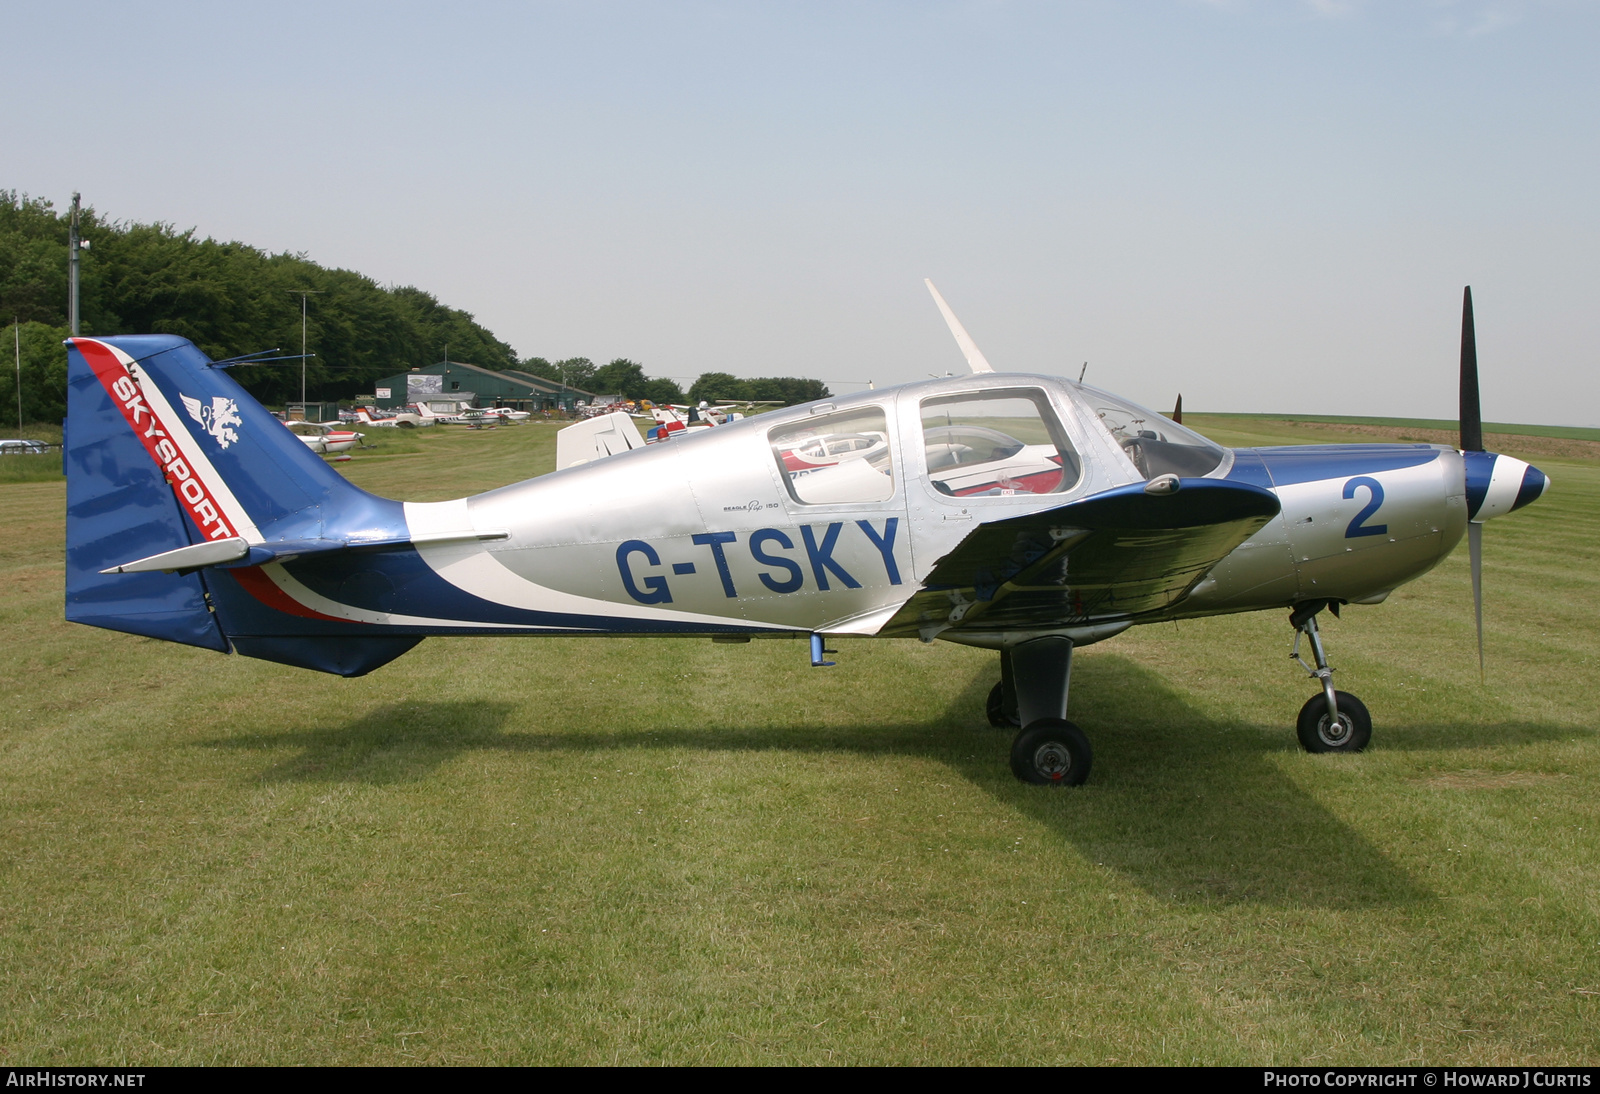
(975, 359)
(1083, 370)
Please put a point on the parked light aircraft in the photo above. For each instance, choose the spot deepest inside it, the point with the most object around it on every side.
(1026, 514)
(400, 419)
(323, 439)
(673, 420)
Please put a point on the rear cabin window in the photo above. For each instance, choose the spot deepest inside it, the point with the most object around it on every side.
(838, 458)
(997, 444)
(1156, 445)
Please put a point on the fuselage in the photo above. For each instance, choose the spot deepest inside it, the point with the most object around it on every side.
(736, 529)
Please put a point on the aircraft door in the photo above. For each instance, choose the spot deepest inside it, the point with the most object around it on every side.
(978, 456)
(843, 489)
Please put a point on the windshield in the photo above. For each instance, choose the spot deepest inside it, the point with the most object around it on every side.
(1157, 445)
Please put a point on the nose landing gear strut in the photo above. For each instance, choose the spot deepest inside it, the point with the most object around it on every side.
(1334, 721)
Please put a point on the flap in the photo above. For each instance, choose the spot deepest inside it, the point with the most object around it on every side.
(1116, 555)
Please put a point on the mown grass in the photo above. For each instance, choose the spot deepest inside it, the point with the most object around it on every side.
(30, 468)
(1564, 432)
(595, 851)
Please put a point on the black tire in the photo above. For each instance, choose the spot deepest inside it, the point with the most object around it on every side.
(1051, 752)
(995, 709)
(1351, 734)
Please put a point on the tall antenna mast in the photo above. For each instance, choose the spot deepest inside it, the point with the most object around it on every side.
(72, 268)
(303, 294)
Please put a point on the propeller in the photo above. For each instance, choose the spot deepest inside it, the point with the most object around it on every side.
(1472, 441)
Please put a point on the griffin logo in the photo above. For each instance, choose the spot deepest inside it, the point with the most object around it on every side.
(215, 418)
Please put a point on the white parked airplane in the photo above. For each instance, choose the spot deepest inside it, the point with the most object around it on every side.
(324, 439)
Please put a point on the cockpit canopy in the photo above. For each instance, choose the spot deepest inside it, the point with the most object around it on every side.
(1000, 440)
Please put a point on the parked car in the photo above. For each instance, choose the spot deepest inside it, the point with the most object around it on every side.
(23, 448)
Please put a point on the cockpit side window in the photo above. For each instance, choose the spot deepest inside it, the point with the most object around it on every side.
(1156, 445)
(836, 458)
(997, 444)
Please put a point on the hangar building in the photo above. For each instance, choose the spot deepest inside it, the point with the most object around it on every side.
(477, 386)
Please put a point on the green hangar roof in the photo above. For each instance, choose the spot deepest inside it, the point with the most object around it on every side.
(505, 387)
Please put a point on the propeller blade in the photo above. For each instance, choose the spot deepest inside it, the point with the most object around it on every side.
(1475, 548)
(969, 349)
(1471, 422)
(1471, 413)
(1177, 409)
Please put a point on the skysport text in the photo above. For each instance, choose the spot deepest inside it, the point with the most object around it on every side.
(1522, 1080)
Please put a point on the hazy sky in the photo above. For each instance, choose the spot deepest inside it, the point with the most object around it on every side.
(1266, 205)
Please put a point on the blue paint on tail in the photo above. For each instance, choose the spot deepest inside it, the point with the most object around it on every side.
(122, 505)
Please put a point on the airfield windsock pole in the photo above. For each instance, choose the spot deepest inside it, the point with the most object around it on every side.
(72, 268)
(16, 333)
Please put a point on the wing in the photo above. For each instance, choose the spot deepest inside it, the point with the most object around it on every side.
(1121, 554)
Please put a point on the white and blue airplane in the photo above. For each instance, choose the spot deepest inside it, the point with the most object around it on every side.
(1026, 514)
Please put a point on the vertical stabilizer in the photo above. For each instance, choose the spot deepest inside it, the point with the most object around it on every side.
(164, 451)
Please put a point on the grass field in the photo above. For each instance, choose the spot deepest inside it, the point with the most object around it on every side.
(598, 851)
(1566, 432)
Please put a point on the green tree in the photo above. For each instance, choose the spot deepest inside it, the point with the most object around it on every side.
(538, 366)
(44, 373)
(230, 299)
(576, 372)
(788, 390)
(719, 387)
(662, 391)
(621, 377)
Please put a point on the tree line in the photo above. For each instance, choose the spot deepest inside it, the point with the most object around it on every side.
(231, 299)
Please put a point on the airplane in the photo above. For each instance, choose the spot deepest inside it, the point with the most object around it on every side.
(400, 419)
(323, 439)
(1025, 514)
(461, 417)
(672, 419)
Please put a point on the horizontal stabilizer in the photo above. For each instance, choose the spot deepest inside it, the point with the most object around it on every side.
(595, 439)
(224, 551)
(1116, 555)
(192, 557)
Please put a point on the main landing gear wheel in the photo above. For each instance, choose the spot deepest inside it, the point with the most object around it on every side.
(1051, 752)
(995, 709)
(1320, 733)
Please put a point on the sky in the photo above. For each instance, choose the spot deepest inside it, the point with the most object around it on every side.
(1267, 206)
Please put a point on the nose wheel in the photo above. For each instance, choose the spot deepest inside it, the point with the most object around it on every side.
(1334, 721)
(1349, 732)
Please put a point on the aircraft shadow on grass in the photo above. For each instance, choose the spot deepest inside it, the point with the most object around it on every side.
(1189, 808)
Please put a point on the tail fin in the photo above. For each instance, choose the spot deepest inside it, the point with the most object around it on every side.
(165, 451)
